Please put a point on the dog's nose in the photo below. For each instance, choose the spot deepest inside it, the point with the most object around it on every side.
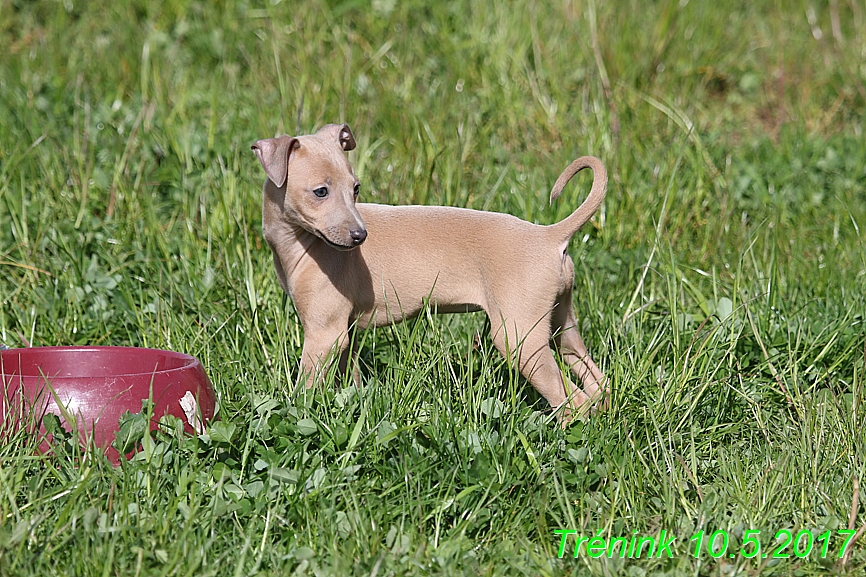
(358, 236)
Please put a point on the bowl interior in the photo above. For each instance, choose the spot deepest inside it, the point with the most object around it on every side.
(90, 362)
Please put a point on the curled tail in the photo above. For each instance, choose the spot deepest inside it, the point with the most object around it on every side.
(567, 227)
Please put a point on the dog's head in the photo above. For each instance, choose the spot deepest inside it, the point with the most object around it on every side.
(317, 182)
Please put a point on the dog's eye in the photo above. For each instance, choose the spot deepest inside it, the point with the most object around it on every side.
(357, 189)
(321, 192)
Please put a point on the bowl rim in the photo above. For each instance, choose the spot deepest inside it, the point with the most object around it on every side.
(190, 362)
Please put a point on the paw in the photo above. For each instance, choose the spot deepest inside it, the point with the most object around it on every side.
(600, 400)
(583, 407)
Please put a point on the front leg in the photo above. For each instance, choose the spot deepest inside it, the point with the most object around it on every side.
(324, 314)
(349, 357)
(321, 347)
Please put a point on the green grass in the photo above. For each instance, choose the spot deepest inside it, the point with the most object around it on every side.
(722, 287)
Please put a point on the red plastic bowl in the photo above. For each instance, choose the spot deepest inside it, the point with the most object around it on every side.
(96, 385)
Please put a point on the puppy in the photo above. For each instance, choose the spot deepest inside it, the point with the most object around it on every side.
(348, 264)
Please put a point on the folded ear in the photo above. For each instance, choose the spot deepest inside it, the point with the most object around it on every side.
(341, 133)
(273, 154)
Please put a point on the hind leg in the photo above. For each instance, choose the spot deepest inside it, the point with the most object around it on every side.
(573, 349)
(528, 344)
